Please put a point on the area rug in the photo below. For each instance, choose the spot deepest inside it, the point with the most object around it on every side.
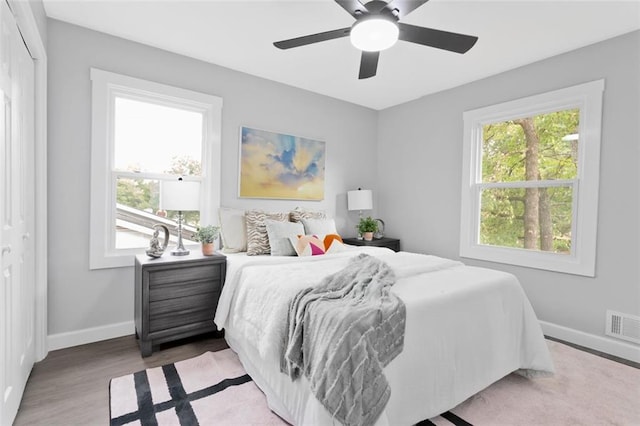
(585, 390)
(214, 388)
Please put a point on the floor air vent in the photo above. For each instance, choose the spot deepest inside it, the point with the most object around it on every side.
(623, 326)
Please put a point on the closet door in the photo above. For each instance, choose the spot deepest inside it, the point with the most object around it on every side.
(17, 274)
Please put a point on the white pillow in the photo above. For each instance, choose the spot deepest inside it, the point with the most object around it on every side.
(233, 230)
(279, 234)
(319, 226)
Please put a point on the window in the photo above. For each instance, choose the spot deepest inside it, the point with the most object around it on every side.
(144, 134)
(530, 180)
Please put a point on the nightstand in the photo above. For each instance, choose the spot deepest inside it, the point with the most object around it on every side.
(392, 243)
(176, 297)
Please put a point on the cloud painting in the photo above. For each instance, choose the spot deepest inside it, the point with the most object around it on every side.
(274, 165)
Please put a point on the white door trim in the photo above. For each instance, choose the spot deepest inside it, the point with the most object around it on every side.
(31, 35)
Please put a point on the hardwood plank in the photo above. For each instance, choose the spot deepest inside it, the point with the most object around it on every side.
(71, 386)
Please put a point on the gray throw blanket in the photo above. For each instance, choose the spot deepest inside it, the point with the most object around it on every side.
(341, 334)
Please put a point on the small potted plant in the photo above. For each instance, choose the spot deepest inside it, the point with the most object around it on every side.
(207, 235)
(367, 226)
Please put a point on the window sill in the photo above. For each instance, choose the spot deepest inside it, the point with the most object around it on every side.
(554, 262)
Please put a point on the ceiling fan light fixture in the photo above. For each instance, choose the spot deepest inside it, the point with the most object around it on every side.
(374, 34)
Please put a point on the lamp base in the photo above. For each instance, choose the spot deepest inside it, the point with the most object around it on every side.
(180, 251)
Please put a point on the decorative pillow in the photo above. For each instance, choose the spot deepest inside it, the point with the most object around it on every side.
(279, 234)
(257, 238)
(233, 230)
(297, 214)
(307, 245)
(314, 245)
(333, 243)
(319, 226)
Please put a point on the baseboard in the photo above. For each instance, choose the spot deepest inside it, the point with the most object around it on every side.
(607, 345)
(89, 335)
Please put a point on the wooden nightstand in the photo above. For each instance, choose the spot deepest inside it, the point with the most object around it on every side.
(392, 243)
(176, 297)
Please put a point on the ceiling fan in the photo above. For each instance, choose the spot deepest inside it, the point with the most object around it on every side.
(377, 28)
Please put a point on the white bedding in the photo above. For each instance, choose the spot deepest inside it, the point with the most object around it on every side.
(466, 328)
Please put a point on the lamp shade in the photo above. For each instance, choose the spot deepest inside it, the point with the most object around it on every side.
(360, 199)
(180, 195)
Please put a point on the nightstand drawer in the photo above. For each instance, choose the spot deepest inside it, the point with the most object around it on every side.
(170, 322)
(174, 313)
(173, 290)
(182, 304)
(194, 273)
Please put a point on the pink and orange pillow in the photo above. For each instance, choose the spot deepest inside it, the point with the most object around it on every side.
(315, 245)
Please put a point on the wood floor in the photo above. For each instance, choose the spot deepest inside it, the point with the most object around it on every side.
(71, 386)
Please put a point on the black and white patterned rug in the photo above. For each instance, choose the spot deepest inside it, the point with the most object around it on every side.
(212, 388)
(183, 394)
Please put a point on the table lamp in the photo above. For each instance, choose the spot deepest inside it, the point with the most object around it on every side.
(360, 199)
(180, 196)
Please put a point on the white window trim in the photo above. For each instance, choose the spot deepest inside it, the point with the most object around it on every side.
(581, 261)
(105, 86)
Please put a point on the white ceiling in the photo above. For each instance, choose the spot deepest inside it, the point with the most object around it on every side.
(239, 35)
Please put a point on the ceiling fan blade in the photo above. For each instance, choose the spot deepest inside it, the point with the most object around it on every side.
(313, 38)
(354, 7)
(368, 64)
(404, 7)
(454, 42)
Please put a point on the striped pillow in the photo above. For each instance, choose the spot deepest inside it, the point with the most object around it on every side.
(257, 237)
(297, 214)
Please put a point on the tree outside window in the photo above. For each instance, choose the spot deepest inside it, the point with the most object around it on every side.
(530, 178)
(535, 149)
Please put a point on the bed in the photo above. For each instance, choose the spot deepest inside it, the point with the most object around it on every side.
(466, 327)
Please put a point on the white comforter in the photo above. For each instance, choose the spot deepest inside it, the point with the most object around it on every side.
(466, 328)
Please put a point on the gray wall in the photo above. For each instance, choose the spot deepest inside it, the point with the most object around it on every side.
(420, 156)
(416, 183)
(80, 298)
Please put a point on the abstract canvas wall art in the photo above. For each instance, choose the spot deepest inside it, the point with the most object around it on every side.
(276, 165)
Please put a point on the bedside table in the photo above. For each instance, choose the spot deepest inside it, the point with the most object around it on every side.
(176, 297)
(392, 243)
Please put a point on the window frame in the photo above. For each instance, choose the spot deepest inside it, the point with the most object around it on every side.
(106, 86)
(581, 261)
